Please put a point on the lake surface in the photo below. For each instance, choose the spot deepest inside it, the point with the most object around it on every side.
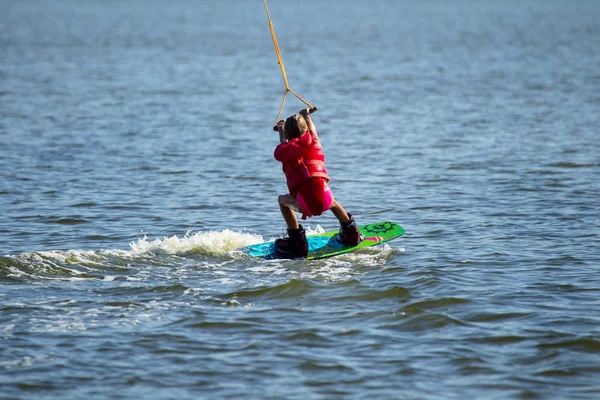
(136, 156)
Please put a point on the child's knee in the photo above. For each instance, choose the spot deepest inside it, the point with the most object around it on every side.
(284, 199)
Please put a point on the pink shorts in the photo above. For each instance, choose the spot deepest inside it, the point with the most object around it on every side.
(314, 198)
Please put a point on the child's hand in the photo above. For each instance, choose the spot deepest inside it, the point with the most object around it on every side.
(279, 126)
(304, 112)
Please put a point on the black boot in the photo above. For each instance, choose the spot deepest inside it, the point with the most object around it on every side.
(295, 245)
(349, 234)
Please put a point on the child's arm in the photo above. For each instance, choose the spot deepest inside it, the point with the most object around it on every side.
(282, 138)
(311, 125)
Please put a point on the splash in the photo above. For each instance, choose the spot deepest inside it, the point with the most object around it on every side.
(71, 265)
(76, 265)
(215, 243)
(314, 231)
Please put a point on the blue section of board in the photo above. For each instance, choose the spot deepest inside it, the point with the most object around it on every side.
(267, 249)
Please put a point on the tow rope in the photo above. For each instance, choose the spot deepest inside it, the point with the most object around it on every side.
(280, 62)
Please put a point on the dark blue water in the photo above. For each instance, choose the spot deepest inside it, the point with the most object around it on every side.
(136, 156)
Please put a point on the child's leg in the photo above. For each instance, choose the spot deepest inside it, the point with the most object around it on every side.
(339, 212)
(287, 205)
(349, 232)
(295, 245)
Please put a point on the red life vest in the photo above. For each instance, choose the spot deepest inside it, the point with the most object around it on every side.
(303, 161)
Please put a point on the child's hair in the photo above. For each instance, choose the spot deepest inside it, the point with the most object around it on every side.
(295, 126)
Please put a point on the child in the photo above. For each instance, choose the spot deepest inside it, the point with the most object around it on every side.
(303, 162)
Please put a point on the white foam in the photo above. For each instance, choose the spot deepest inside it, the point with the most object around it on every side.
(317, 230)
(59, 260)
(211, 243)
(7, 331)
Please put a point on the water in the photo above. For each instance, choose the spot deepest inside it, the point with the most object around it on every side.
(136, 156)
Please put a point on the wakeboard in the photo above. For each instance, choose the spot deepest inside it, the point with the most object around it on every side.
(324, 245)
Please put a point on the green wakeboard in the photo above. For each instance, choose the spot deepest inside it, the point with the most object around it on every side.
(325, 244)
